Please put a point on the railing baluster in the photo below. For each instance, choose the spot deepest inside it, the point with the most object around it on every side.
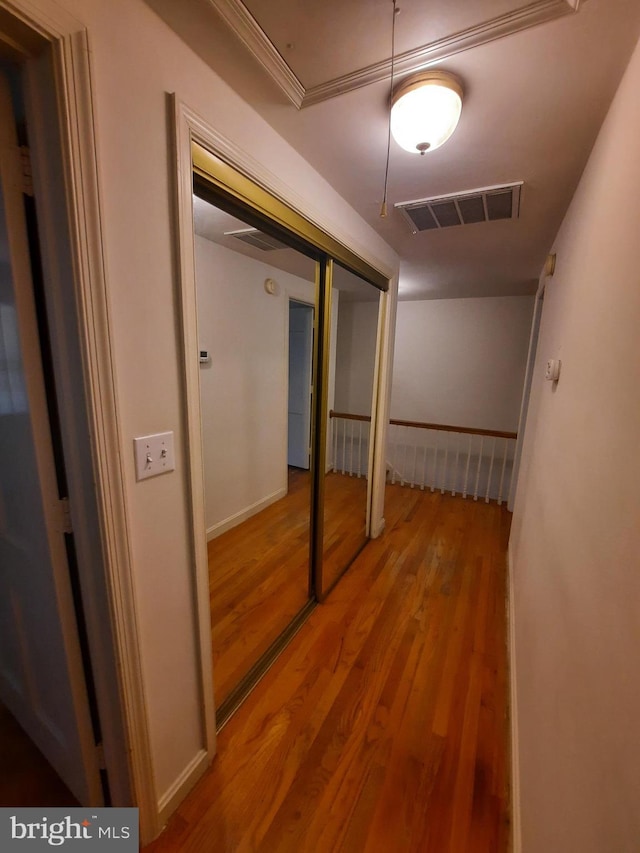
(436, 445)
(403, 472)
(413, 472)
(493, 453)
(507, 485)
(334, 461)
(351, 448)
(475, 491)
(394, 457)
(359, 449)
(344, 448)
(424, 466)
(443, 484)
(504, 463)
(455, 471)
(466, 473)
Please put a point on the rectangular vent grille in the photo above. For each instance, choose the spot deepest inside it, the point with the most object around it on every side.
(257, 239)
(482, 205)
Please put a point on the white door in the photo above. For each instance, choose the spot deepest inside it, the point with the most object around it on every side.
(300, 379)
(41, 675)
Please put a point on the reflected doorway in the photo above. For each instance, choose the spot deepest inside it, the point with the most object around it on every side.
(300, 384)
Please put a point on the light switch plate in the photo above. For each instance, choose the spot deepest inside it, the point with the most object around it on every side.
(154, 455)
(552, 372)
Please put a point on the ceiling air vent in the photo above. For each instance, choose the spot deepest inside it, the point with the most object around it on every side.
(257, 239)
(483, 205)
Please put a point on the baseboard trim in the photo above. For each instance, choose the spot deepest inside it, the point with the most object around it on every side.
(237, 518)
(172, 798)
(516, 825)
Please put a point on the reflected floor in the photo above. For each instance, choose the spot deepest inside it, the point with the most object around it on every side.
(259, 570)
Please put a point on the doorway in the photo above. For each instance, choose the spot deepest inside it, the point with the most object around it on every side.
(53, 366)
(46, 683)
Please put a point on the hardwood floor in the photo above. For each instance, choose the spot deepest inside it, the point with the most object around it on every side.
(26, 777)
(383, 725)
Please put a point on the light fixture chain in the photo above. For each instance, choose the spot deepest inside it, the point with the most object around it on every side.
(383, 208)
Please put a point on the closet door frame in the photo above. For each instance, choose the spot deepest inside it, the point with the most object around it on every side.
(202, 153)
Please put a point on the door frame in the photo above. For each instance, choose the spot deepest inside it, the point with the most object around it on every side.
(534, 334)
(48, 30)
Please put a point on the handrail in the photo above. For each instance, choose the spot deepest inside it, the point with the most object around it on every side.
(347, 417)
(446, 428)
(421, 425)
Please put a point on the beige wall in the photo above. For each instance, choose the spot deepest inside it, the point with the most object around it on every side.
(136, 61)
(575, 543)
(461, 361)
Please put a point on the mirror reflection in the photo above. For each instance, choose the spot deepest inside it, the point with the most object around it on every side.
(256, 315)
(354, 328)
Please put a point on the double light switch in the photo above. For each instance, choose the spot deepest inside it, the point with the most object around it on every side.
(154, 455)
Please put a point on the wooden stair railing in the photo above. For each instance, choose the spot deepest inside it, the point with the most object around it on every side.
(417, 454)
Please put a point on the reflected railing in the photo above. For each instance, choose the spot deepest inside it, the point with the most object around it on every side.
(349, 443)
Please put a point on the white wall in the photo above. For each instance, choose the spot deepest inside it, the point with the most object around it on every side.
(575, 542)
(136, 61)
(356, 356)
(461, 361)
(244, 389)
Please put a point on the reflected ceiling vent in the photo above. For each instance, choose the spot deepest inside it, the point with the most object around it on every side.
(257, 239)
(483, 205)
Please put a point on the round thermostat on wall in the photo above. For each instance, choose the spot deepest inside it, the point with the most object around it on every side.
(270, 286)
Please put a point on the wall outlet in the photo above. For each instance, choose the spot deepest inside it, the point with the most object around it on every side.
(154, 455)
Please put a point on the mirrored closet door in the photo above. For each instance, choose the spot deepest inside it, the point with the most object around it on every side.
(287, 331)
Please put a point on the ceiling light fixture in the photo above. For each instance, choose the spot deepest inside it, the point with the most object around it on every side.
(425, 109)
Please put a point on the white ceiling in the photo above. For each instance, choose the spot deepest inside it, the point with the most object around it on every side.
(534, 101)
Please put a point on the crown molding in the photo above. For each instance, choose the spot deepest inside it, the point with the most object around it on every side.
(422, 57)
(254, 38)
(242, 22)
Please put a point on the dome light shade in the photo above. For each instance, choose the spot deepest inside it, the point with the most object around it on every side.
(425, 110)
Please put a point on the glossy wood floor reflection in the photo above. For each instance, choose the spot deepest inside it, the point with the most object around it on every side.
(345, 523)
(259, 570)
(383, 725)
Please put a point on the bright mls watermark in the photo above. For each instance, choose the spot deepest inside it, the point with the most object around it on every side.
(69, 829)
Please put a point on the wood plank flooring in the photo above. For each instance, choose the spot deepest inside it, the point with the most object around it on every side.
(383, 725)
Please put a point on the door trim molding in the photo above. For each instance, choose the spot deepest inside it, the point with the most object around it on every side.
(187, 126)
(83, 186)
(68, 40)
